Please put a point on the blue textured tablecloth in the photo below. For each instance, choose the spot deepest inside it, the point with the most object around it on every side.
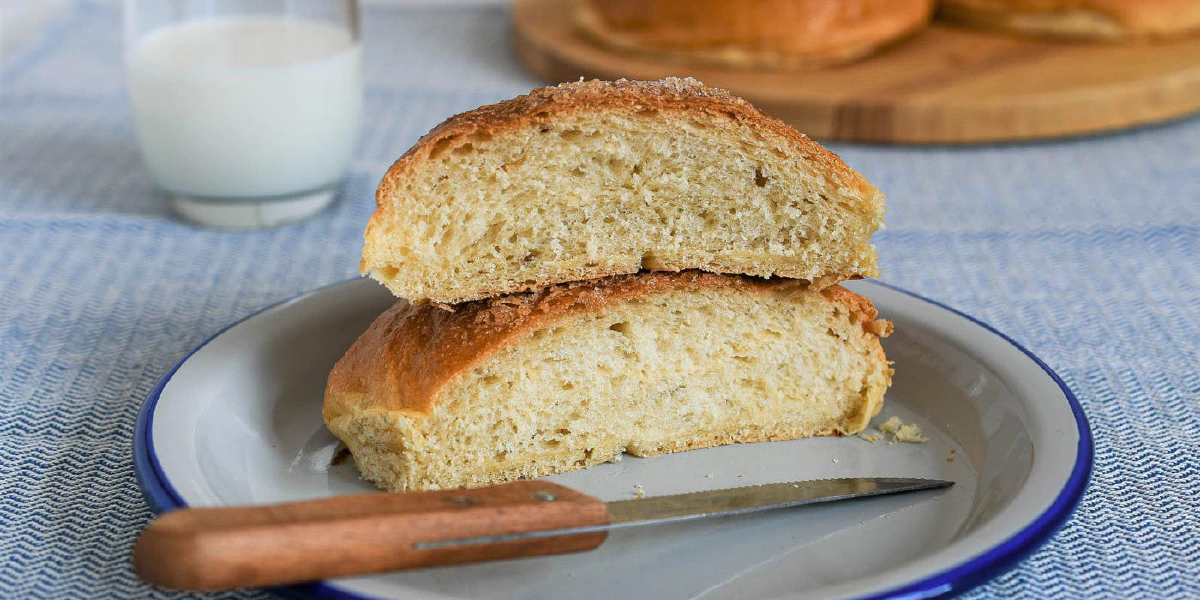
(1085, 251)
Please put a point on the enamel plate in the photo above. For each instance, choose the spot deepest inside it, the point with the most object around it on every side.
(238, 421)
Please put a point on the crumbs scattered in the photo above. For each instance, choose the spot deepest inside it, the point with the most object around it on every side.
(899, 432)
(709, 476)
(910, 434)
(638, 492)
(618, 458)
(870, 437)
(891, 425)
(950, 457)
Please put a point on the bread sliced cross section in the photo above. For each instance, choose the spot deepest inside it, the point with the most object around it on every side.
(568, 377)
(591, 179)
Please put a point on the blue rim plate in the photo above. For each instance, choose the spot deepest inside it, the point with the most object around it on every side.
(161, 492)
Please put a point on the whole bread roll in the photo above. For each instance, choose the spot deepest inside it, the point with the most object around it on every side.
(572, 376)
(1103, 20)
(753, 33)
(596, 178)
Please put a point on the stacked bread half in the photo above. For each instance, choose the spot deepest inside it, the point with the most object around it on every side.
(602, 268)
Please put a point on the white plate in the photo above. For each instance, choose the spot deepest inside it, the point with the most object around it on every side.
(239, 422)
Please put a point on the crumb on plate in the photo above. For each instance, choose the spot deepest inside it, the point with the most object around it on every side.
(899, 432)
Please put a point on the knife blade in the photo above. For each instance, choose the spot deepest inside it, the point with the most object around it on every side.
(726, 502)
(250, 546)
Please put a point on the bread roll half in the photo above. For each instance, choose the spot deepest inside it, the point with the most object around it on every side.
(561, 379)
(1096, 20)
(788, 34)
(592, 179)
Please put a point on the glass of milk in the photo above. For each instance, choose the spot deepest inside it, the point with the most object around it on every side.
(246, 112)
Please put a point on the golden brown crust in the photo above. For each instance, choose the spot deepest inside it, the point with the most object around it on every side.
(411, 351)
(546, 104)
(753, 33)
(1085, 19)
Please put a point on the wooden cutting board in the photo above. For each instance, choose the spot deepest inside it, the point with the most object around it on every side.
(945, 85)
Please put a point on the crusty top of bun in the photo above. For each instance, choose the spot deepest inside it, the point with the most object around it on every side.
(547, 103)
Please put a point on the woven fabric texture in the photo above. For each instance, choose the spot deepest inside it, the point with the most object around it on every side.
(1086, 251)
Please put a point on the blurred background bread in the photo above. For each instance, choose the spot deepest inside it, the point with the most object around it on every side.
(1110, 20)
(959, 79)
(753, 33)
(564, 378)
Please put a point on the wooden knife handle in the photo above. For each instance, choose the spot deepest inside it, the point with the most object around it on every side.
(226, 548)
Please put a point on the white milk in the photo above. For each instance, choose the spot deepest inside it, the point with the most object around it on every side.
(246, 107)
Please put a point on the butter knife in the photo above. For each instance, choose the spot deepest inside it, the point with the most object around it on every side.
(226, 548)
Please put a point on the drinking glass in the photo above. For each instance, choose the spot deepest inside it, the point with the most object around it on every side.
(246, 111)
